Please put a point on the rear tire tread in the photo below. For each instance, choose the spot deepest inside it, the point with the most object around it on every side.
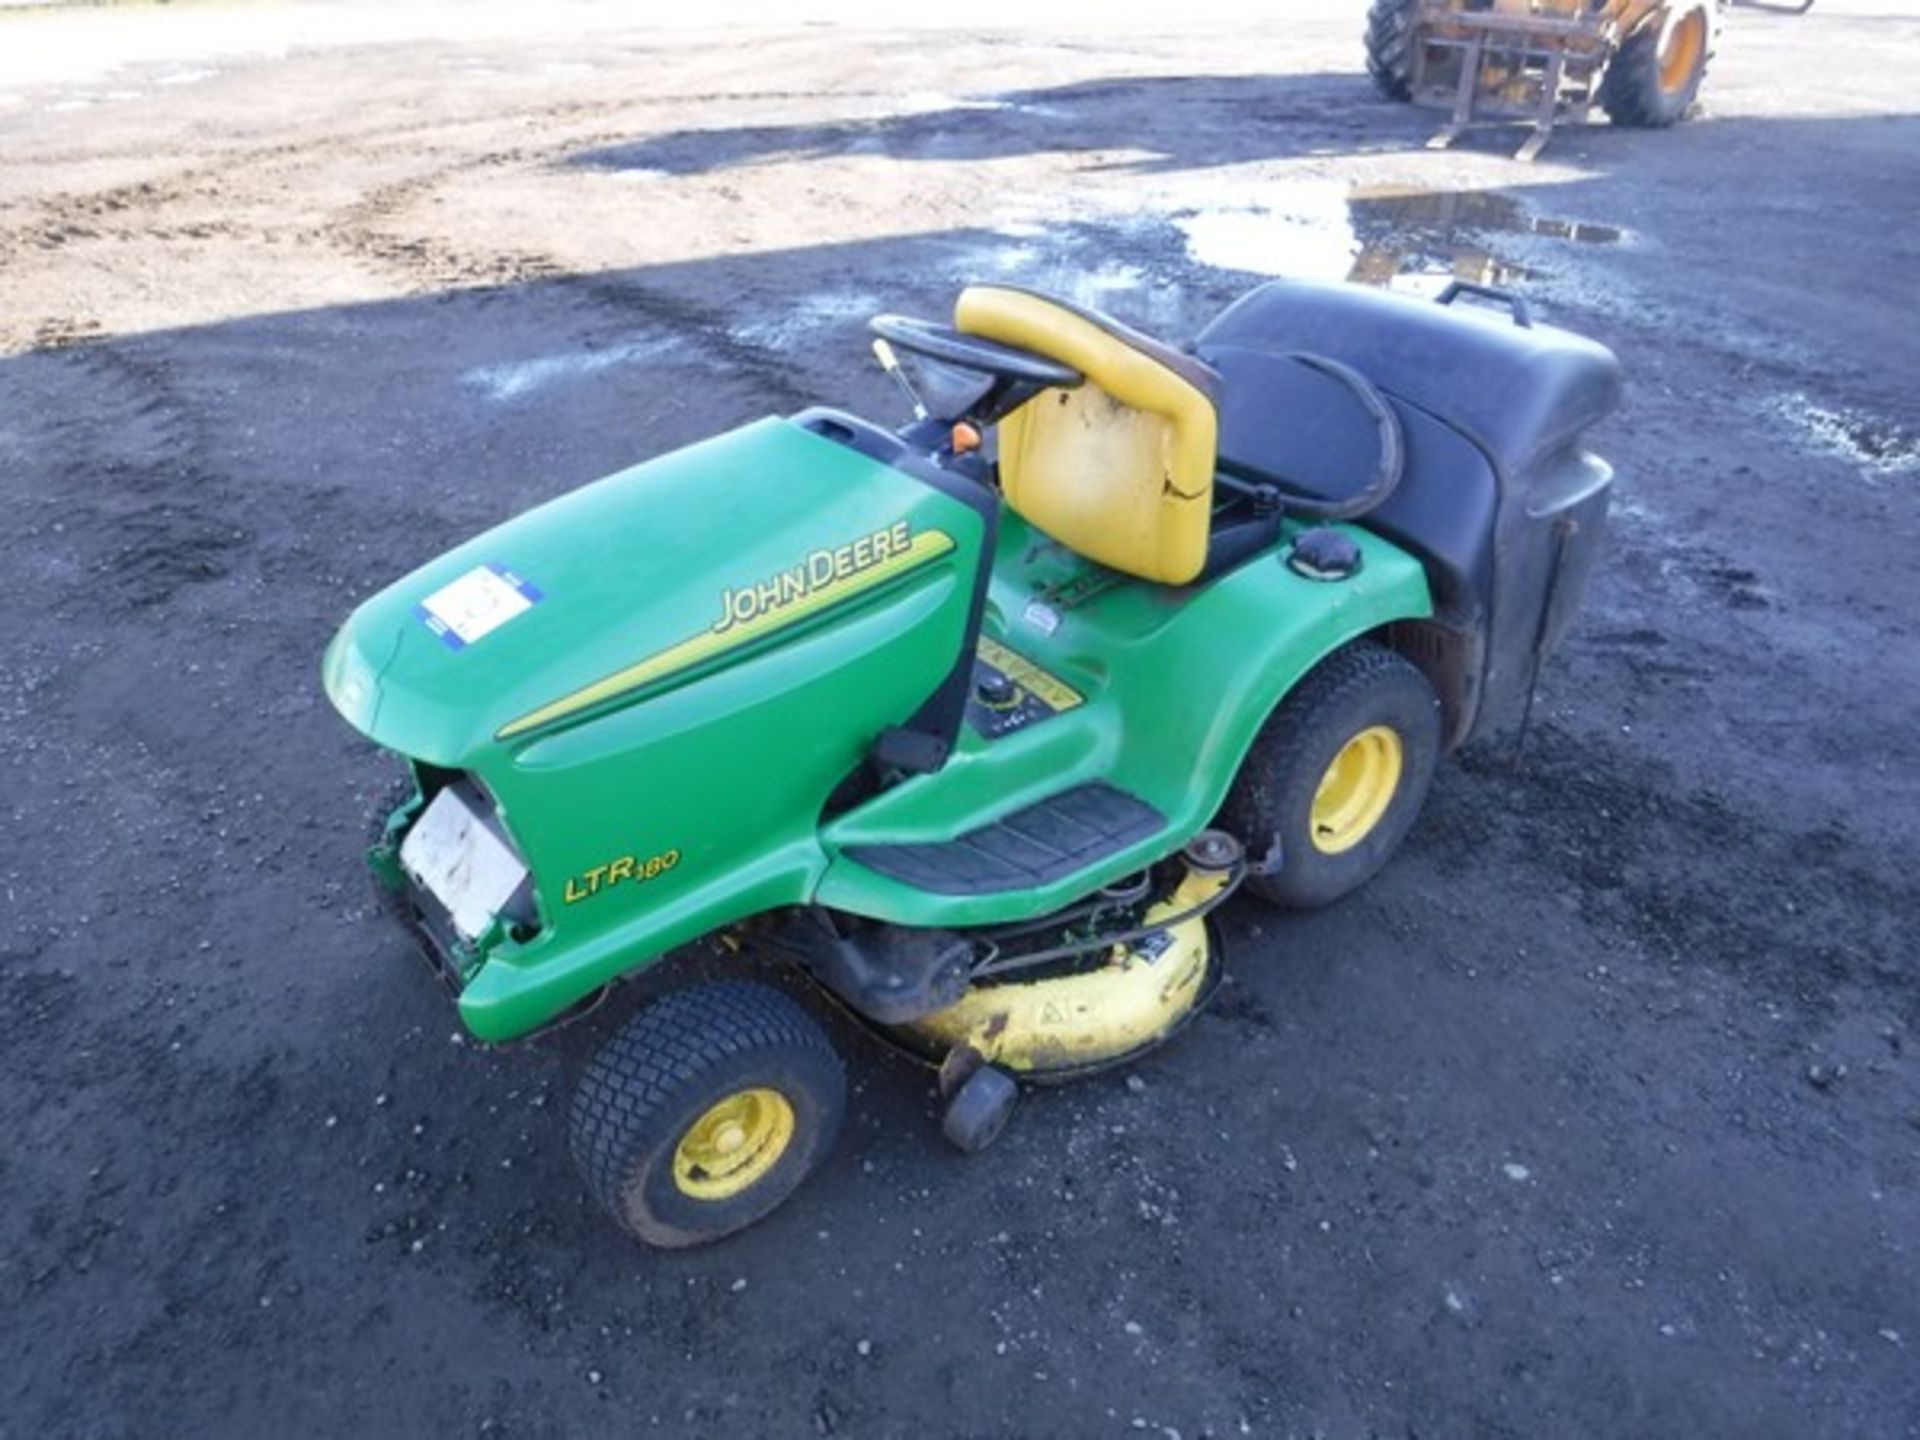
(1630, 90)
(1390, 47)
(1290, 754)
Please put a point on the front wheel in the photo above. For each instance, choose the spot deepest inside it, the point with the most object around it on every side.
(1337, 775)
(1653, 80)
(706, 1111)
(1390, 42)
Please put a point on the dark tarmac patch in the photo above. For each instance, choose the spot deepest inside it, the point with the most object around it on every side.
(1690, 876)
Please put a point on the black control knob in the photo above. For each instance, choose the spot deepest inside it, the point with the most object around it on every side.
(996, 691)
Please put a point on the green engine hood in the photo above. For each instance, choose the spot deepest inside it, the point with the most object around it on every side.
(637, 581)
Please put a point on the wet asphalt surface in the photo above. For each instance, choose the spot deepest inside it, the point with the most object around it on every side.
(1597, 1114)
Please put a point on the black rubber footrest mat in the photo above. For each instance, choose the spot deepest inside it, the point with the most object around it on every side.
(1034, 846)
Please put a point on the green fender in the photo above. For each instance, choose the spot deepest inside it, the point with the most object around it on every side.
(1175, 684)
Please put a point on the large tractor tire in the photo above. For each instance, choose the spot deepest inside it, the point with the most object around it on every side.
(1337, 775)
(1656, 76)
(706, 1111)
(1390, 47)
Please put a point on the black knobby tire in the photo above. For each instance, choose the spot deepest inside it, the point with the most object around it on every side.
(1636, 91)
(665, 1069)
(1390, 47)
(1354, 689)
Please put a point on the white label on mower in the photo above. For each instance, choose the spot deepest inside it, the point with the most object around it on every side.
(1041, 616)
(477, 604)
(461, 863)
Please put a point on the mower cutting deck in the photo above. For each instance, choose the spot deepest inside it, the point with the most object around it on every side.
(977, 721)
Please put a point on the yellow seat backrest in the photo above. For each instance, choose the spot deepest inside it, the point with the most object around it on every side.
(1120, 469)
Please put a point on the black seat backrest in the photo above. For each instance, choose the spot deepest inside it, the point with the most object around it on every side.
(1519, 392)
(1291, 425)
(1482, 402)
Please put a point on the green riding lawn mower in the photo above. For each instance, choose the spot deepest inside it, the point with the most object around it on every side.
(975, 722)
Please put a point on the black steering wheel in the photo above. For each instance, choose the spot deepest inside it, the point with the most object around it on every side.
(949, 346)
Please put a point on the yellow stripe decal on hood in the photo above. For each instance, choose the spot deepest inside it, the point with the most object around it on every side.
(751, 612)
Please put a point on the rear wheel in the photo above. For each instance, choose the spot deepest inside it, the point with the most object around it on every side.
(1337, 775)
(706, 1111)
(1390, 47)
(1654, 79)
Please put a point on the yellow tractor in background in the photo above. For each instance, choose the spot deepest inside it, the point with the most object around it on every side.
(1542, 61)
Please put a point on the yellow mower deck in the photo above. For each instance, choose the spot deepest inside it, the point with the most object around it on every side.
(1061, 1023)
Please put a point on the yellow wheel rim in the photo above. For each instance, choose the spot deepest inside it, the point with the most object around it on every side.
(1356, 790)
(1681, 51)
(733, 1145)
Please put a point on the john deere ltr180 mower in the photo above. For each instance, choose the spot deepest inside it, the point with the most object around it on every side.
(974, 722)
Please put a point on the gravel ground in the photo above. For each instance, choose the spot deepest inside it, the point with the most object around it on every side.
(1599, 1113)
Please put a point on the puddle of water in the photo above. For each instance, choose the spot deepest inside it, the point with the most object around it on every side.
(1309, 234)
(1065, 268)
(1097, 288)
(1402, 209)
(1084, 285)
(849, 308)
(516, 379)
(1877, 448)
(1378, 235)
